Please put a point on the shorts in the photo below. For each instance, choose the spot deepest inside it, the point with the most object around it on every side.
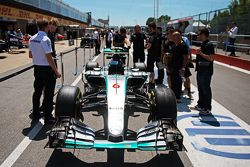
(187, 72)
(150, 63)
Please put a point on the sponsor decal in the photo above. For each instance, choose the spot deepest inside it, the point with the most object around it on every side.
(116, 86)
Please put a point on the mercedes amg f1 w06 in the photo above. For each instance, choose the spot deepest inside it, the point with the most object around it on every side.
(117, 92)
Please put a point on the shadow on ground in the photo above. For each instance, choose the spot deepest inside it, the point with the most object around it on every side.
(59, 158)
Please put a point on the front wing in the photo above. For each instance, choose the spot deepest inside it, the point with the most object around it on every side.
(159, 135)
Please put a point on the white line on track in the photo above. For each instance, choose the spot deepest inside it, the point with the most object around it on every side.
(17, 152)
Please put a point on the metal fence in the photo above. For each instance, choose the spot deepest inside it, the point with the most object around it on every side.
(79, 58)
(218, 20)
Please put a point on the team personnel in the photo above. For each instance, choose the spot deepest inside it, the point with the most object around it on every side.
(45, 71)
(108, 38)
(232, 32)
(187, 73)
(120, 39)
(138, 39)
(152, 52)
(159, 61)
(96, 38)
(204, 68)
(179, 63)
(53, 23)
(168, 49)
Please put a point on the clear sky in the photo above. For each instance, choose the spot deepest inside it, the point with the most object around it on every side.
(131, 12)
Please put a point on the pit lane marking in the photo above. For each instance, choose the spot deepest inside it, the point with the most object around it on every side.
(17, 152)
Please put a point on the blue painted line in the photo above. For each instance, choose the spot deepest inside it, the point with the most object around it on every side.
(195, 131)
(228, 141)
(221, 153)
(197, 115)
(211, 123)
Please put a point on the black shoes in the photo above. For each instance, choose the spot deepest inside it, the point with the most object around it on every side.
(151, 86)
(37, 115)
(49, 120)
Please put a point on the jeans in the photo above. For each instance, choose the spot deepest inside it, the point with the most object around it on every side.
(232, 49)
(204, 89)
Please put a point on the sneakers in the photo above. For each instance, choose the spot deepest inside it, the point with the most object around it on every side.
(205, 112)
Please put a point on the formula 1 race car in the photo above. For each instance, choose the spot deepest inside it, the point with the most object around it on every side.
(116, 91)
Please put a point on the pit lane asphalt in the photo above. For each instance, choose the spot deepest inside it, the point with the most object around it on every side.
(230, 88)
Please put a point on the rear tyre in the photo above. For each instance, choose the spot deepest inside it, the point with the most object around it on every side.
(91, 65)
(164, 104)
(68, 103)
(140, 66)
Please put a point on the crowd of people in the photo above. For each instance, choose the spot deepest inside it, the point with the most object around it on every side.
(171, 51)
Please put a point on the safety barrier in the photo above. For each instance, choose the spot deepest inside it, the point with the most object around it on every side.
(219, 41)
(76, 52)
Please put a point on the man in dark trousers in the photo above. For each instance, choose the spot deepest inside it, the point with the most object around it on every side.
(204, 68)
(138, 45)
(96, 38)
(159, 57)
(53, 23)
(179, 63)
(108, 37)
(168, 49)
(152, 52)
(45, 71)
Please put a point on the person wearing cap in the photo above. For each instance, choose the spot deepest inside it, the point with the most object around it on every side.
(204, 68)
(45, 71)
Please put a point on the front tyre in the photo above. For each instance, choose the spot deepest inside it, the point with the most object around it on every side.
(68, 103)
(164, 106)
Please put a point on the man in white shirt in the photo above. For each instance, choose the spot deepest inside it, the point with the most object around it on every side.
(45, 72)
(96, 39)
(109, 38)
(232, 37)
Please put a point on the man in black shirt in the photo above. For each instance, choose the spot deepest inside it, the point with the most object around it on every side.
(179, 63)
(138, 45)
(168, 49)
(152, 52)
(53, 23)
(159, 61)
(120, 40)
(204, 68)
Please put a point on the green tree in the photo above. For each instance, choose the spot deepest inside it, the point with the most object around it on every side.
(149, 20)
(162, 18)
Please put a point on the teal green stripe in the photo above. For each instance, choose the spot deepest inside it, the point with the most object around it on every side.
(116, 145)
